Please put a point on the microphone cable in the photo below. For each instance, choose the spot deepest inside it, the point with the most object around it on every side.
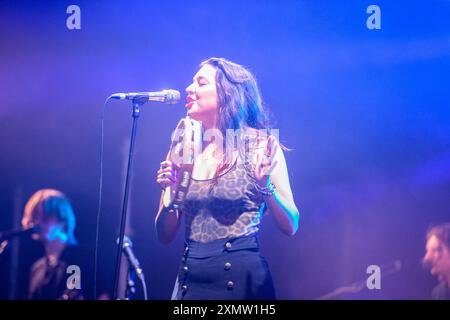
(100, 193)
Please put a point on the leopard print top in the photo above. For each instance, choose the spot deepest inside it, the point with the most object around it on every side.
(226, 206)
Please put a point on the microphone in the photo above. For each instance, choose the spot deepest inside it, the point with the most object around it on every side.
(134, 262)
(165, 96)
(9, 234)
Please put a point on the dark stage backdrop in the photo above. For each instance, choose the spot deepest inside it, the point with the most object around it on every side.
(365, 112)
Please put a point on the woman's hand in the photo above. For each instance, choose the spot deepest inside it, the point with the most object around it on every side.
(167, 221)
(265, 161)
(270, 168)
(167, 174)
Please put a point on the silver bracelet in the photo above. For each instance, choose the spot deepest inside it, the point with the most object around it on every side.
(171, 208)
(267, 191)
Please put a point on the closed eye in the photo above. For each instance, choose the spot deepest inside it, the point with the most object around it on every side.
(202, 81)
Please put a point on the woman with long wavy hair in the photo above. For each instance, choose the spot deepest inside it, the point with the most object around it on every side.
(229, 190)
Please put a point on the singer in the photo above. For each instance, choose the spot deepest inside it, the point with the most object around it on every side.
(227, 196)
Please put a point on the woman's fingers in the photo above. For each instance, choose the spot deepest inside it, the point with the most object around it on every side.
(271, 151)
(265, 159)
(166, 170)
(168, 163)
(165, 163)
(164, 182)
(166, 175)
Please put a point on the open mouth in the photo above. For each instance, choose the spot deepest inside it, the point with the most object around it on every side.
(190, 102)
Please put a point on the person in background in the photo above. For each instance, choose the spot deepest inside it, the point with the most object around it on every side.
(437, 258)
(51, 212)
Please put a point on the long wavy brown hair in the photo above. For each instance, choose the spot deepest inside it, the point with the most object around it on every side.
(240, 104)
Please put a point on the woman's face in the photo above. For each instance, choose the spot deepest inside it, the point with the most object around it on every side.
(202, 100)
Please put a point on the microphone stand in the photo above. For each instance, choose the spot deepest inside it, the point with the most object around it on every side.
(131, 283)
(134, 270)
(135, 115)
(131, 288)
(7, 235)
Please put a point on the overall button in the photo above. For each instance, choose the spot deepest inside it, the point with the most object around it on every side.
(184, 288)
(230, 284)
(228, 245)
(185, 268)
(227, 266)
